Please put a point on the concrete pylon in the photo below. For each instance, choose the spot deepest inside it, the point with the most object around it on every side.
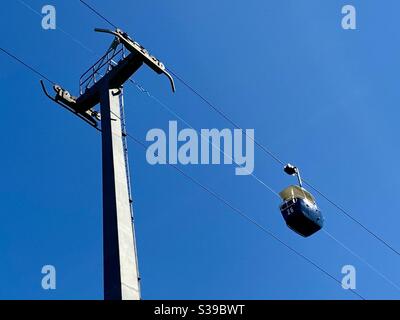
(121, 275)
(102, 83)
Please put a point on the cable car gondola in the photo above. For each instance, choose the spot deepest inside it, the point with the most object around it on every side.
(299, 208)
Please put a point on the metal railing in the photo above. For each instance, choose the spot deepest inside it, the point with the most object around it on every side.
(101, 67)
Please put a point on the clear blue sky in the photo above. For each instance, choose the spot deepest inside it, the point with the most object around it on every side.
(320, 97)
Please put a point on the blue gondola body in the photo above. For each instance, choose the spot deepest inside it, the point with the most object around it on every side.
(300, 211)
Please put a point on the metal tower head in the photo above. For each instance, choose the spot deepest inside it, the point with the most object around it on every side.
(135, 48)
(122, 59)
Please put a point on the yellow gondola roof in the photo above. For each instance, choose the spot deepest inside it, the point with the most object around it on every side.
(296, 192)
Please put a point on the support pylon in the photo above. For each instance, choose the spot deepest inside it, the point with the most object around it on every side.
(102, 84)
